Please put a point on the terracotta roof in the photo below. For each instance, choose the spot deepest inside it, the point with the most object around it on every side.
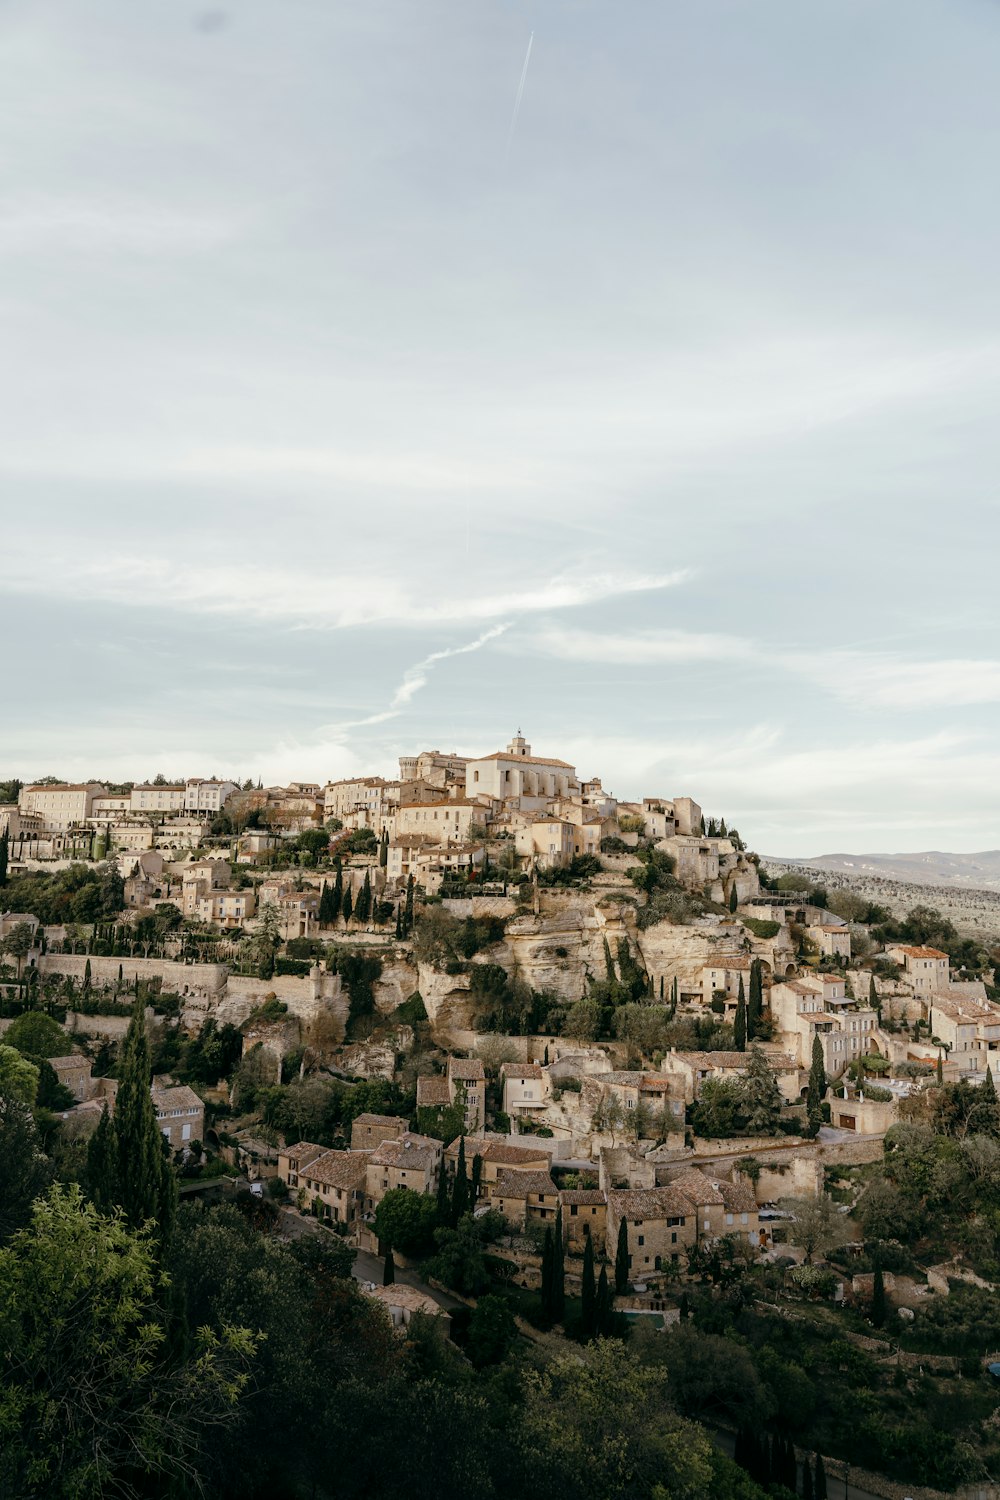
(466, 1069)
(75, 1060)
(521, 1070)
(520, 1184)
(919, 952)
(367, 1119)
(527, 760)
(699, 1188)
(500, 1153)
(966, 1009)
(180, 1097)
(582, 1196)
(650, 1203)
(416, 1151)
(302, 1152)
(339, 1169)
(738, 1197)
(432, 1091)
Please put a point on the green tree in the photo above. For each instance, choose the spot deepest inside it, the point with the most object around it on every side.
(25, 1170)
(761, 1095)
(734, 899)
(408, 908)
(388, 1269)
(588, 1292)
(91, 1399)
(816, 1092)
(37, 1035)
(605, 1312)
(18, 1076)
(460, 1191)
(558, 1270)
(140, 1177)
(755, 1002)
(878, 1296)
(819, 1488)
(740, 1023)
(363, 909)
(621, 1259)
(492, 1331)
(18, 943)
(442, 1211)
(405, 1221)
(4, 855)
(348, 904)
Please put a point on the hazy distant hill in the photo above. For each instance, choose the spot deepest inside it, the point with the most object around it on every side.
(970, 871)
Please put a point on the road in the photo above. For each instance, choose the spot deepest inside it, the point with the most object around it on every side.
(367, 1267)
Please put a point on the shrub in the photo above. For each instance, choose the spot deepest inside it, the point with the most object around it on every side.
(761, 928)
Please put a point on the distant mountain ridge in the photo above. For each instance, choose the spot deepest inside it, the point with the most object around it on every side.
(931, 867)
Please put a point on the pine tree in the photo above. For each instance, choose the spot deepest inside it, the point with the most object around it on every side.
(460, 1193)
(621, 1260)
(819, 1485)
(588, 1291)
(740, 1023)
(817, 1086)
(389, 1268)
(878, 1296)
(4, 855)
(144, 1181)
(558, 1271)
(348, 905)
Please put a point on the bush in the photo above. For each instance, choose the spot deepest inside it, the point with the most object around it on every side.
(760, 928)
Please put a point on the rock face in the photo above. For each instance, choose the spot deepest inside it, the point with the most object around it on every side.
(396, 984)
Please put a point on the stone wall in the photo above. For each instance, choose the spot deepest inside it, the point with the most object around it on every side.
(179, 978)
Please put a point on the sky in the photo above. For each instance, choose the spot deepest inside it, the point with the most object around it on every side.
(345, 414)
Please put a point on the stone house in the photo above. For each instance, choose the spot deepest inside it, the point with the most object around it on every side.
(74, 1073)
(469, 1074)
(661, 1226)
(585, 1213)
(368, 1131)
(833, 940)
(926, 968)
(294, 1159)
(180, 1114)
(412, 1162)
(337, 1179)
(526, 1197)
(970, 1029)
(525, 1088)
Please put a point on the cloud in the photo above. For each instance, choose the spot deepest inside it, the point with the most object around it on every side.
(417, 676)
(297, 596)
(642, 648)
(66, 225)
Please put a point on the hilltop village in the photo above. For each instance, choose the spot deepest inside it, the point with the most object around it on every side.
(490, 1023)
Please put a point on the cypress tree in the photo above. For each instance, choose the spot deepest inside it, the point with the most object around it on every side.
(817, 1085)
(722, 829)
(873, 997)
(325, 904)
(337, 900)
(348, 905)
(987, 1112)
(755, 1003)
(673, 999)
(146, 1186)
(389, 1268)
(621, 1259)
(4, 855)
(363, 907)
(740, 1023)
(477, 1174)
(734, 900)
(819, 1485)
(558, 1271)
(86, 975)
(460, 1194)
(102, 1183)
(940, 1068)
(609, 964)
(661, 989)
(408, 912)
(399, 922)
(588, 1291)
(547, 1276)
(878, 1296)
(807, 1479)
(383, 848)
(604, 1316)
(443, 1213)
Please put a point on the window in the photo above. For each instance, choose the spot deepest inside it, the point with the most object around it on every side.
(573, 1211)
(642, 1239)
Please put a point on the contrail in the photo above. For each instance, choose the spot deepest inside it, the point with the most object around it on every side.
(520, 95)
(415, 678)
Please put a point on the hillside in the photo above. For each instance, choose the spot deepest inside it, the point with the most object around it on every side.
(979, 871)
(975, 910)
